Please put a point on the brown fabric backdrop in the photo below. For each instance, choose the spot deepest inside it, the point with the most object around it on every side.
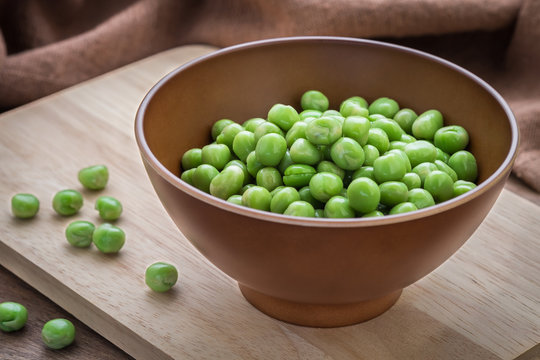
(48, 45)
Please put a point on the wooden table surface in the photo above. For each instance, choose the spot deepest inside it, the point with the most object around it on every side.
(481, 304)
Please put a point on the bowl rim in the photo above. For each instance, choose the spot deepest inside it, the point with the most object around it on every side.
(147, 155)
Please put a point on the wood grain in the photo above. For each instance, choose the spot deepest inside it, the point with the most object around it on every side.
(481, 304)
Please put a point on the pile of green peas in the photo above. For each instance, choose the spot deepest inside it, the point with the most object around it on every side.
(364, 160)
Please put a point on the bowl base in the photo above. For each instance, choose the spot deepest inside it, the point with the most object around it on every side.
(319, 315)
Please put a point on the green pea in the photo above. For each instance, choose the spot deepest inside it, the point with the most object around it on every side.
(314, 100)
(338, 207)
(257, 197)
(328, 166)
(451, 138)
(24, 206)
(393, 193)
(298, 175)
(276, 190)
(378, 138)
(332, 113)
(363, 194)
(403, 156)
(108, 207)
(190, 160)
(235, 199)
(364, 171)
(404, 207)
(324, 130)
(216, 155)
(421, 198)
(67, 202)
(243, 166)
(370, 153)
(243, 144)
(347, 154)
(108, 238)
(447, 169)
(13, 316)
(300, 208)
(283, 116)
(397, 145)
(228, 134)
(440, 185)
(297, 131)
(390, 127)
(245, 187)
(374, 213)
(406, 138)
(58, 333)
(266, 128)
(352, 108)
(462, 186)
(374, 117)
(161, 276)
(441, 155)
(412, 180)
(464, 164)
(357, 99)
(203, 175)
(357, 128)
(79, 233)
(324, 185)
(310, 114)
(251, 124)
(304, 152)
(187, 176)
(426, 124)
(405, 118)
(219, 126)
(308, 119)
(389, 167)
(96, 177)
(384, 106)
(283, 198)
(305, 195)
(253, 165)
(285, 162)
(420, 151)
(423, 169)
(319, 213)
(270, 149)
(227, 183)
(269, 178)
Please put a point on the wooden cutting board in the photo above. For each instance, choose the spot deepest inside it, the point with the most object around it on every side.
(483, 303)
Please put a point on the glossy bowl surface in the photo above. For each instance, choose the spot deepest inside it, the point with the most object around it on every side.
(320, 272)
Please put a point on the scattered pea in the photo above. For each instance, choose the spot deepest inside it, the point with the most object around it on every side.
(13, 316)
(161, 276)
(58, 333)
(67, 202)
(108, 207)
(96, 177)
(79, 233)
(24, 206)
(108, 238)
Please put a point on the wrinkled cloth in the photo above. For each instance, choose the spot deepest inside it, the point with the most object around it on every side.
(48, 45)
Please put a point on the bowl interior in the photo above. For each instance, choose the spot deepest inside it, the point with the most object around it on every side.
(244, 82)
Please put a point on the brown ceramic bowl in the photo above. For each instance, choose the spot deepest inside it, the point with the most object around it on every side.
(320, 272)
